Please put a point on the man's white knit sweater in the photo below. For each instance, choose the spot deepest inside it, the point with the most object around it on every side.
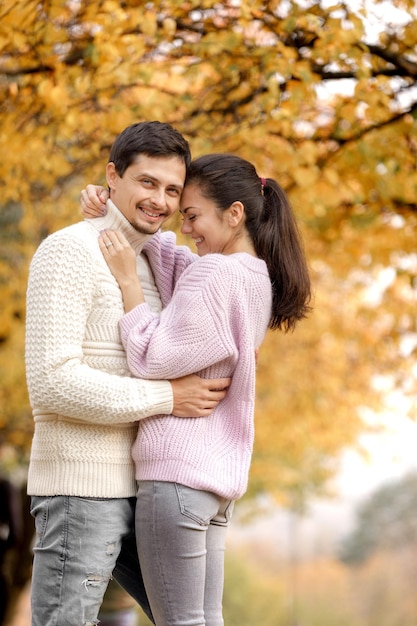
(85, 402)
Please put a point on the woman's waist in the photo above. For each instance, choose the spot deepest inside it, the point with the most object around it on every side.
(223, 430)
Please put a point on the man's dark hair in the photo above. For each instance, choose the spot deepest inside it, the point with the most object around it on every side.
(154, 139)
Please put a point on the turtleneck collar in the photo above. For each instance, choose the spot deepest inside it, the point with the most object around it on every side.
(115, 220)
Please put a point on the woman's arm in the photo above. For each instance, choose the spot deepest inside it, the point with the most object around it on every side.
(197, 329)
(93, 201)
(168, 261)
(121, 259)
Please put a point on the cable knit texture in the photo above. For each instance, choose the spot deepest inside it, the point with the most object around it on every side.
(215, 317)
(85, 401)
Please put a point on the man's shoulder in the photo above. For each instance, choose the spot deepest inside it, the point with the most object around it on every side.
(77, 241)
(80, 233)
(79, 230)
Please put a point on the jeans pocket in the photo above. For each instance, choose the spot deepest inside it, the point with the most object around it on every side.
(39, 509)
(228, 510)
(203, 507)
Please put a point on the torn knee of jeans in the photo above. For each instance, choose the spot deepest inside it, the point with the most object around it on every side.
(94, 580)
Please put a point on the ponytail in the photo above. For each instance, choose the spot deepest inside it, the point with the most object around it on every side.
(271, 225)
(277, 241)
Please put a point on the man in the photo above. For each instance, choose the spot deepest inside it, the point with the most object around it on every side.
(85, 403)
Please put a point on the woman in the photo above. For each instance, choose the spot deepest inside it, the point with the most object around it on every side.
(250, 273)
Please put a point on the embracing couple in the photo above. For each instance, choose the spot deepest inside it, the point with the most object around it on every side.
(140, 360)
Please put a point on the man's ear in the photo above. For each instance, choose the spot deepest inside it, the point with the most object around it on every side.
(236, 213)
(111, 175)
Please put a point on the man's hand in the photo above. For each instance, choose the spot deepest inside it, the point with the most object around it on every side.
(197, 397)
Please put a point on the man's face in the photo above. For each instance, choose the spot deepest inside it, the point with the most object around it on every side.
(149, 192)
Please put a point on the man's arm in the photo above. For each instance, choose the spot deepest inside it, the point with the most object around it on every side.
(62, 285)
(197, 397)
(59, 381)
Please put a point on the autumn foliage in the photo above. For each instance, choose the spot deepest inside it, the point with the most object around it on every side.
(314, 97)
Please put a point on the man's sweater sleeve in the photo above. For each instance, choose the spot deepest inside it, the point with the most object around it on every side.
(197, 329)
(59, 296)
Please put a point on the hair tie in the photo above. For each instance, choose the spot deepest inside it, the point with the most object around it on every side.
(263, 185)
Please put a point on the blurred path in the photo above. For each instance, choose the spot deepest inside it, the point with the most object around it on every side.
(22, 613)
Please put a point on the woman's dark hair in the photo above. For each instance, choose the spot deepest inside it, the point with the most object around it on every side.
(154, 139)
(271, 224)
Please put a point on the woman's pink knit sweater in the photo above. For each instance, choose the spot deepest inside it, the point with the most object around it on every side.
(217, 310)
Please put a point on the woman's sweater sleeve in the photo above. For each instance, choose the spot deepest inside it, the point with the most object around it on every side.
(168, 261)
(197, 329)
(62, 284)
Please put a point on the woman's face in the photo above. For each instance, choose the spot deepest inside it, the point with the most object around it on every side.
(205, 223)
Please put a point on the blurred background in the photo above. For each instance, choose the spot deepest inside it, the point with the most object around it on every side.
(321, 96)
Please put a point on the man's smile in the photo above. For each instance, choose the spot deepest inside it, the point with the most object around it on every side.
(149, 213)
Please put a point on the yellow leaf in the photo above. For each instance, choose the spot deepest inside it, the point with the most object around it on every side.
(306, 176)
(148, 23)
(331, 176)
(169, 26)
(308, 152)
